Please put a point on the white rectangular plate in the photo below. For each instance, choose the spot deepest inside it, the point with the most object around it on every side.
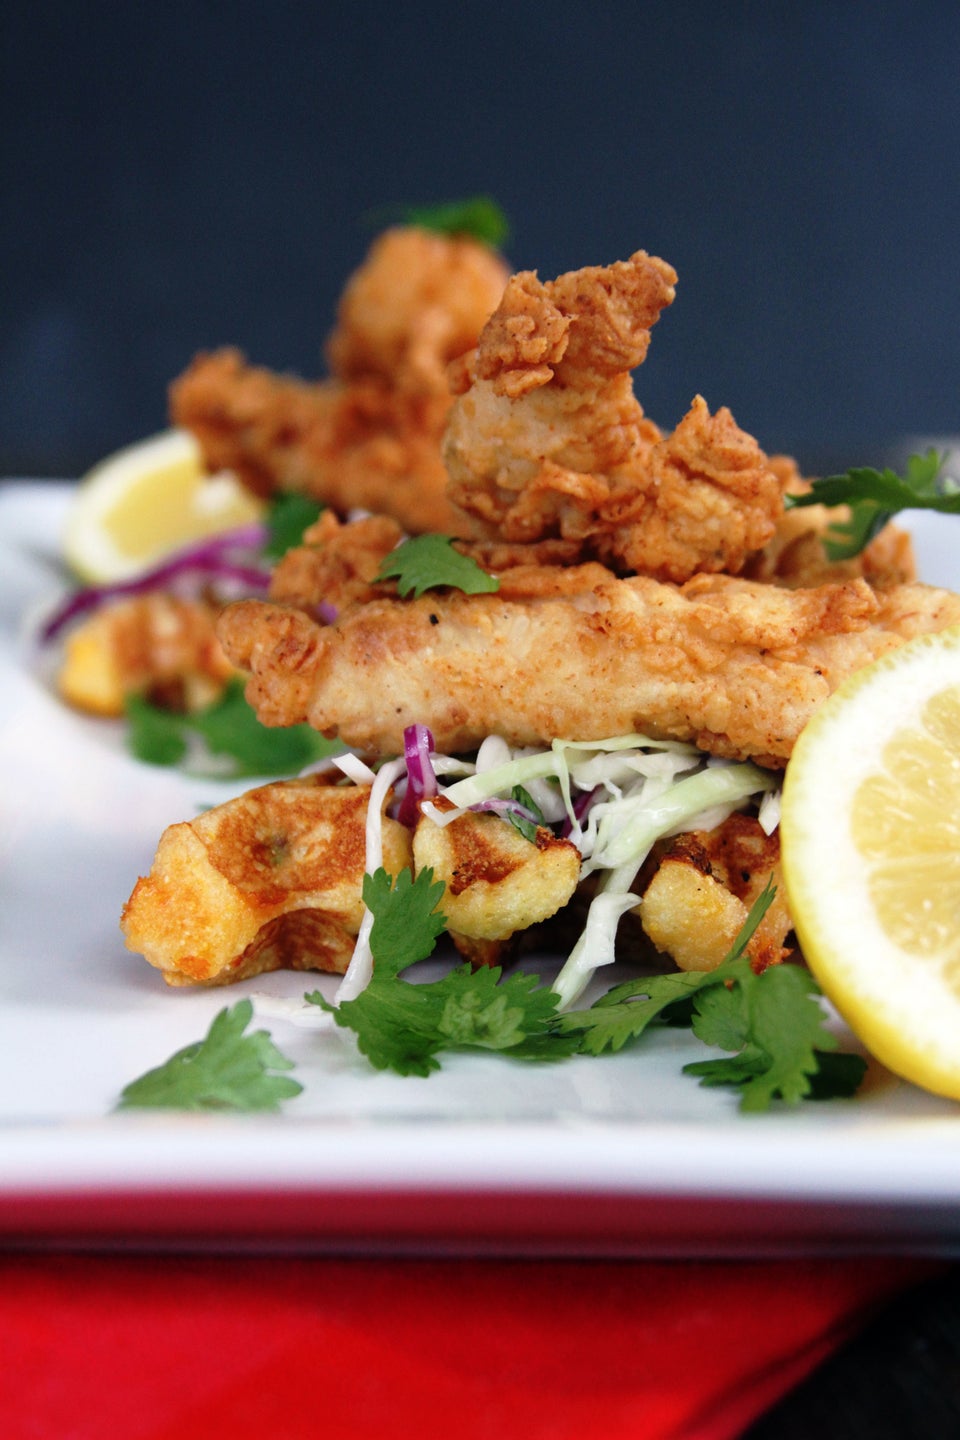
(622, 1154)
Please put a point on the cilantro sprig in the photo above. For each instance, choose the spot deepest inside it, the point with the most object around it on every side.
(772, 1023)
(479, 217)
(226, 1070)
(228, 728)
(403, 1027)
(875, 496)
(429, 562)
(288, 516)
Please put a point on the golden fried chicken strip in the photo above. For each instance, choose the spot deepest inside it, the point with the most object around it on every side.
(369, 437)
(270, 879)
(705, 882)
(734, 666)
(155, 645)
(362, 445)
(547, 438)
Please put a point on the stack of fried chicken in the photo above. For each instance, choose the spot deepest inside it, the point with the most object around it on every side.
(649, 582)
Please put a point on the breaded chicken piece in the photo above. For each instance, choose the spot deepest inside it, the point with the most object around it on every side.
(573, 652)
(418, 302)
(272, 879)
(704, 884)
(155, 645)
(547, 438)
(368, 437)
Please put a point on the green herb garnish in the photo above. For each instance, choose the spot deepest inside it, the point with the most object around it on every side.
(403, 1027)
(288, 516)
(230, 729)
(527, 827)
(227, 1070)
(479, 216)
(429, 562)
(771, 1021)
(875, 496)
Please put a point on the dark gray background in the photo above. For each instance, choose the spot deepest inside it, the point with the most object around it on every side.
(183, 175)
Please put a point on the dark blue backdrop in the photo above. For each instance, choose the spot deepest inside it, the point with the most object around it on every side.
(181, 175)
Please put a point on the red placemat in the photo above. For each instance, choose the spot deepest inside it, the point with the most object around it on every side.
(172, 1348)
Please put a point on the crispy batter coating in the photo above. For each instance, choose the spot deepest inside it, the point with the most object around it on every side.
(795, 555)
(702, 890)
(155, 645)
(547, 439)
(369, 437)
(270, 879)
(735, 666)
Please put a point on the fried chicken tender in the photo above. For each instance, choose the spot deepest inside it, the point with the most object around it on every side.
(547, 438)
(272, 879)
(154, 645)
(735, 666)
(368, 437)
(701, 893)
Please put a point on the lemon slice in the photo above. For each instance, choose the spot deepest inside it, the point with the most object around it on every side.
(146, 501)
(870, 836)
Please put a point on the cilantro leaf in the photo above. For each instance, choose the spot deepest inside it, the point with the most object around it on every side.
(776, 1022)
(288, 516)
(480, 217)
(772, 1022)
(527, 827)
(406, 921)
(227, 1070)
(403, 1026)
(230, 728)
(428, 562)
(875, 496)
(624, 1012)
(156, 736)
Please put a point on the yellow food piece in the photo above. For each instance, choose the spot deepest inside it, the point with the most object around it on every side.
(155, 645)
(870, 837)
(271, 879)
(706, 881)
(146, 501)
(496, 881)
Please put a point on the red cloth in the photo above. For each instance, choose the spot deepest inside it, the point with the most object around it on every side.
(173, 1348)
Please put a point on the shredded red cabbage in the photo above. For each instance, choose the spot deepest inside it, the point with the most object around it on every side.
(421, 778)
(211, 558)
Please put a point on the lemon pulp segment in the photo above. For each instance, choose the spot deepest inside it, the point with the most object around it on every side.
(906, 825)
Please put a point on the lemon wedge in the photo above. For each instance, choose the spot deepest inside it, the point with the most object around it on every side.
(870, 837)
(144, 502)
